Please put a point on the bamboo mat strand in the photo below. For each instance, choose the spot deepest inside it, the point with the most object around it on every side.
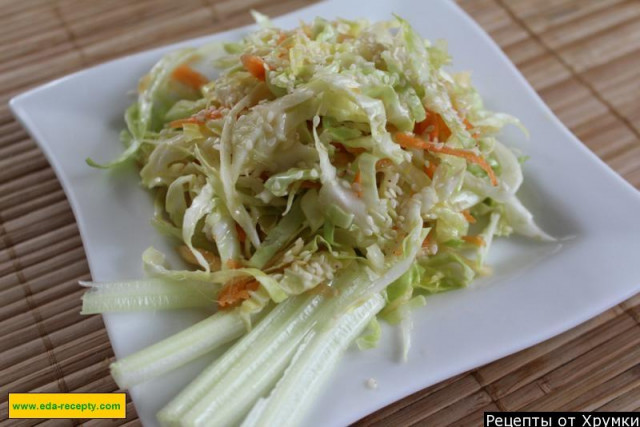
(581, 56)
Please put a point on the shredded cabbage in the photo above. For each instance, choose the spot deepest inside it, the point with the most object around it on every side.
(333, 146)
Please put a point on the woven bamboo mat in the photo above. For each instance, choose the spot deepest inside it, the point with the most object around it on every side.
(582, 56)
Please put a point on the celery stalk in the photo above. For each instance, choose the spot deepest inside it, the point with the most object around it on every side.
(178, 349)
(150, 294)
(254, 373)
(311, 368)
(285, 316)
(235, 393)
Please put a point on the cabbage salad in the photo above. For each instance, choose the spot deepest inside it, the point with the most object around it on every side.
(315, 180)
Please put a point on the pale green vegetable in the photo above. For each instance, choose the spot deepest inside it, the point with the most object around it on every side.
(178, 349)
(286, 316)
(149, 294)
(256, 371)
(311, 367)
(336, 170)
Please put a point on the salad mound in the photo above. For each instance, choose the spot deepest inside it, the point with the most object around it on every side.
(314, 179)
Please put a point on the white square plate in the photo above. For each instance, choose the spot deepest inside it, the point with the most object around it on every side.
(538, 290)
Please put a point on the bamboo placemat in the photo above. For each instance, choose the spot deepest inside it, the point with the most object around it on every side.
(582, 56)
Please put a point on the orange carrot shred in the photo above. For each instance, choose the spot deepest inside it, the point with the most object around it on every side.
(442, 132)
(199, 118)
(435, 132)
(355, 150)
(427, 240)
(474, 240)
(467, 124)
(254, 65)
(430, 169)
(188, 76)
(235, 291)
(213, 114)
(357, 180)
(438, 128)
(420, 127)
(242, 236)
(178, 123)
(409, 141)
(474, 132)
(467, 215)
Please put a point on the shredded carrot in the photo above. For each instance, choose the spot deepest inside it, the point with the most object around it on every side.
(383, 163)
(409, 141)
(474, 240)
(254, 65)
(428, 240)
(311, 184)
(355, 150)
(188, 76)
(213, 114)
(435, 131)
(357, 180)
(433, 122)
(430, 169)
(242, 236)
(406, 140)
(470, 127)
(467, 215)
(178, 123)
(467, 124)
(199, 118)
(282, 46)
(233, 264)
(422, 126)
(235, 291)
(443, 132)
